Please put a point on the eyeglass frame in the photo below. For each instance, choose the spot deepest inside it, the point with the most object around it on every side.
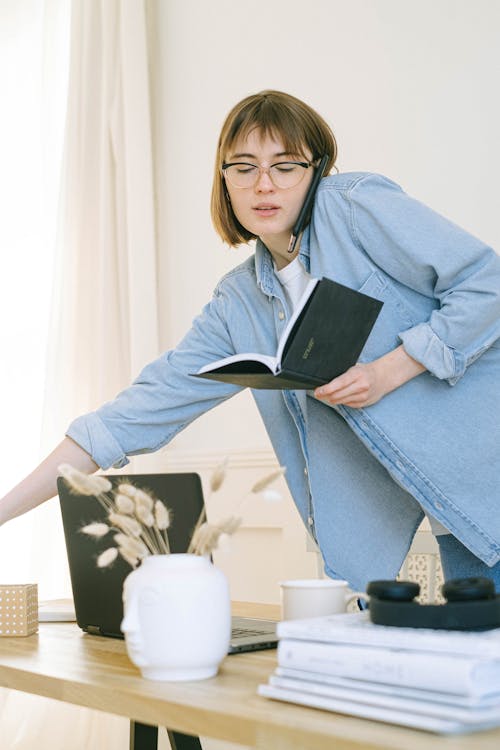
(265, 170)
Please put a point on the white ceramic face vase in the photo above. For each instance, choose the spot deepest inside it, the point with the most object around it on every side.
(177, 618)
(142, 626)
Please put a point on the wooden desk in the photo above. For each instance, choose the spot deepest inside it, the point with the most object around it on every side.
(63, 663)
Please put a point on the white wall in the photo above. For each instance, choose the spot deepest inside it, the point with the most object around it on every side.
(410, 88)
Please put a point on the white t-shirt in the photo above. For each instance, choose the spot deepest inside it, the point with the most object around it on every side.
(293, 278)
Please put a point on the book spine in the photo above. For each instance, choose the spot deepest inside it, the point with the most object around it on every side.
(456, 675)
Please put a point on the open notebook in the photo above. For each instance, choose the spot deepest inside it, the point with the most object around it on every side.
(97, 592)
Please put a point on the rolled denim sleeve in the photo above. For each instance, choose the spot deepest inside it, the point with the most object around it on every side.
(92, 434)
(433, 256)
(163, 399)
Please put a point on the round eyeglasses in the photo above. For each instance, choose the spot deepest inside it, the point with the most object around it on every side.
(283, 174)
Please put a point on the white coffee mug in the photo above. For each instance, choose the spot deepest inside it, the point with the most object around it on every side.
(315, 597)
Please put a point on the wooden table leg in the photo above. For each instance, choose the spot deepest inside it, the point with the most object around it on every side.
(179, 741)
(143, 736)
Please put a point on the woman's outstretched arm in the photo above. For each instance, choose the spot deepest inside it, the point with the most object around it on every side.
(41, 484)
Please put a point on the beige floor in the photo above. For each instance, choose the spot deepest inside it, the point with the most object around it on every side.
(30, 722)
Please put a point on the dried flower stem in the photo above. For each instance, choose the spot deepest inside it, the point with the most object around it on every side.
(219, 475)
(206, 538)
(260, 486)
(162, 541)
(267, 480)
(216, 482)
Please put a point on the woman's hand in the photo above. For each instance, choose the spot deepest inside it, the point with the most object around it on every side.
(359, 386)
(366, 383)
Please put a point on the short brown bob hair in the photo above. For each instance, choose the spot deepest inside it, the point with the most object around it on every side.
(280, 116)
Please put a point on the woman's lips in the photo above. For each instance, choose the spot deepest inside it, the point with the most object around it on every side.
(266, 209)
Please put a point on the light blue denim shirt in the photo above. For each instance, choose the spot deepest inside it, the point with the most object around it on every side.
(359, 477)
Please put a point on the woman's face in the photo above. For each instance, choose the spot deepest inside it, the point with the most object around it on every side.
(268, 211)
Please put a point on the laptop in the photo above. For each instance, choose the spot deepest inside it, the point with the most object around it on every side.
(97, 592)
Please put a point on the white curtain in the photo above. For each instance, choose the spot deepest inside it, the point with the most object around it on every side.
(33, 78)
(103, 323)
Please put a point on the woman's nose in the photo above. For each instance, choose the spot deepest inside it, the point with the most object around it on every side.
(264, 182)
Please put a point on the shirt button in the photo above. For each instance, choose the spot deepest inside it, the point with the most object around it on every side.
(438, 506)
(305, 471)
(281, 315)
(310, 521)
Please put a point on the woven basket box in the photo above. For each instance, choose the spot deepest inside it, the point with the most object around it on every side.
(18, 609)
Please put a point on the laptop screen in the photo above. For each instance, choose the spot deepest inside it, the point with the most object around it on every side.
(97, 592)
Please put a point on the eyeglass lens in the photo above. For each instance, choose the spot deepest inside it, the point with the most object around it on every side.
(285, 174)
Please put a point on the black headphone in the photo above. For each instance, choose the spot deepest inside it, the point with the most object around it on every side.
(472, 604)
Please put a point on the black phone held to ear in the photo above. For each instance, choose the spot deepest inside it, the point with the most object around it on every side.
(471, 604)
(304, 211)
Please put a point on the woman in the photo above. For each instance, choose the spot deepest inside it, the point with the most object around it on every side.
(412, 428)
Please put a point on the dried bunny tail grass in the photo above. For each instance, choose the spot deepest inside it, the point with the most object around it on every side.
(126, 489)
(140, 497)
(125, 523)
(206, 538)
(84, 484)
(199, 523)
(95, 529)
(161, 542)
(107, 557)
(224, 542)
(219, 475)
(142, 521)
(132, 546)
(101, 484)
(267, 480)
(162, 516)
(144, 515)
(124, 504)
(229, 525)
(132, 560)
(143, 500)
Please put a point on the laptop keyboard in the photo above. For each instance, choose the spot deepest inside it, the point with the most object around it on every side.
(244, 632)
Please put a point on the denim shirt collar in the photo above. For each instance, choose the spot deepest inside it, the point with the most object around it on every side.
(304, 250)
(264, 268)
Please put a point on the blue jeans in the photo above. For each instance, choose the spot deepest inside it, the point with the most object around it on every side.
(459, 562)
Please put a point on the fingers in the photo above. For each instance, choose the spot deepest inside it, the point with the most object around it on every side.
(335, 386)
(343, 395)
(352, 388)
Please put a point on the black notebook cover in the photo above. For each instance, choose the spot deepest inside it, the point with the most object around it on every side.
(326, 339)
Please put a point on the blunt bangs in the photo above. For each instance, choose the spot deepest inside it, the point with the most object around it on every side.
(269, 123)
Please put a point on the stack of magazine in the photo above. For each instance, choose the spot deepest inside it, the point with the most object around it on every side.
(438, 680)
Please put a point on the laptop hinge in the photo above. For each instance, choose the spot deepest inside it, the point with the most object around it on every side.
(93, 630)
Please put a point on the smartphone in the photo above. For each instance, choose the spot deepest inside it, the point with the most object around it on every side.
(304, 211)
